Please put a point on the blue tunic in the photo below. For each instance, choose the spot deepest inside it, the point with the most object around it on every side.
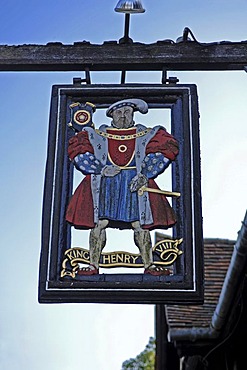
(117, 202)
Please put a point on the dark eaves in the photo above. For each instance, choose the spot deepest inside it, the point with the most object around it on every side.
(228, 294)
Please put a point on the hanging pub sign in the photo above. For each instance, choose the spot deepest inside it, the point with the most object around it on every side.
(123, 162)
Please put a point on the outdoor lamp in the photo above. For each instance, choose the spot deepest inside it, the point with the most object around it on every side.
(128, 7)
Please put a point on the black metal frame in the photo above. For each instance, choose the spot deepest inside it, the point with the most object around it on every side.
(186, 284)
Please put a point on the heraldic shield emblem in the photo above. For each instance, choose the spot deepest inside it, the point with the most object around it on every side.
(81, 116)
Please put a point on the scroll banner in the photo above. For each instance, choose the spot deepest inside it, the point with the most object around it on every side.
(165, 252)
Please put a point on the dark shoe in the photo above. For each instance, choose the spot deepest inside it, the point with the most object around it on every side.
(157, 271)
(87, 271)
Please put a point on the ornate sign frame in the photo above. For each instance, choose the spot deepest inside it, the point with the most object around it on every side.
(185, 284)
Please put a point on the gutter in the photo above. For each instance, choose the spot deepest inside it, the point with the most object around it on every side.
(230, 287)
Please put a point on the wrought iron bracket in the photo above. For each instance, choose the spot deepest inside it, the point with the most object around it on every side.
(168, 80)
(79, 80)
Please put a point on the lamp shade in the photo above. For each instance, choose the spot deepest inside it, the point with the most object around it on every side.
(127, 6)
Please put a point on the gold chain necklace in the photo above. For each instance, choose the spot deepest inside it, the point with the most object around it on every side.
(122, 137)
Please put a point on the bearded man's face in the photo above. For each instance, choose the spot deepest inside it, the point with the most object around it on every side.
(123, 117)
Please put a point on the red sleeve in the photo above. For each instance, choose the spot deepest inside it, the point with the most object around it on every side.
(164, 143)
(79, 144)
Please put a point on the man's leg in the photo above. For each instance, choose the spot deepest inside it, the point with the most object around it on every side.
(143, 241)
(97, 242)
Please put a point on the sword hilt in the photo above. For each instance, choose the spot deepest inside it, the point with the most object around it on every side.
(158, 191)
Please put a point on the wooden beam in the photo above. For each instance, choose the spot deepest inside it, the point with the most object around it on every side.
(112, 56)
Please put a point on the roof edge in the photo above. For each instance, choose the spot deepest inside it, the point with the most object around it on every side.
(228, 293)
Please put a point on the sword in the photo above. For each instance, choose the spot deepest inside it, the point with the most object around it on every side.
(164, 192)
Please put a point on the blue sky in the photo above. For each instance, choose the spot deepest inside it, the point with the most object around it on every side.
(94, 336)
